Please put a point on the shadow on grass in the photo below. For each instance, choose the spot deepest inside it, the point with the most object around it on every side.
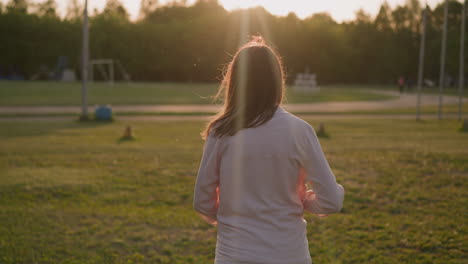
(323, 135)
(126, 139)
(464, 127)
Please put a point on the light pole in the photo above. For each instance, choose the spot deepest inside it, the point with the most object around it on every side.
(421, 62)
(442, 60)
(461, 75)
(84, 64)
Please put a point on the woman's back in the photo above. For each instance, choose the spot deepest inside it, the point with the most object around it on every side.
(260, 212)
(256, 162)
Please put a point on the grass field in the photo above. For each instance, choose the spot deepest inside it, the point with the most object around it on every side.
(57, 93)
(450, 111)
(74, 193)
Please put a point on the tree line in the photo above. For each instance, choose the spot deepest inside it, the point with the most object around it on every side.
(181, 42)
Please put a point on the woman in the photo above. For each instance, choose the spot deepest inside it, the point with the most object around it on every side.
(256, 163)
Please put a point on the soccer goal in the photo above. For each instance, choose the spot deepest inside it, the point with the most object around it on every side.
(106, 67)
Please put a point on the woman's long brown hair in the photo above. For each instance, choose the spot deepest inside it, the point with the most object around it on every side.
(253, 87)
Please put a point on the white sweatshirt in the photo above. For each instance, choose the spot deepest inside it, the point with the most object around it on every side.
(259, 210)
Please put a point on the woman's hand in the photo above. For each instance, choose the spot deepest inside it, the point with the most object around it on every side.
(309, 196)
(304, 194)
(217, 197)
(208, 219)
(301, 188)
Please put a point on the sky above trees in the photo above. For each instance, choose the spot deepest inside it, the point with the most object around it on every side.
(340, 10)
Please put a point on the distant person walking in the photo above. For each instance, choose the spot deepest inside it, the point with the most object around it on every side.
(401, 84)
(409, 84)
(257, 160)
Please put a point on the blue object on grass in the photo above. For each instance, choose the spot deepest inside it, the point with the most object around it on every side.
(103, 113)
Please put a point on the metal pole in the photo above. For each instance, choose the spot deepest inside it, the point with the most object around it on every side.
(442, 60)
(461, 75)
(85, 64)
(91, 72)
(111, 73)
(421, 62)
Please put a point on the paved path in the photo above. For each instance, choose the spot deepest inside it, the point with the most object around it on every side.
(403, 101)
(207, 118)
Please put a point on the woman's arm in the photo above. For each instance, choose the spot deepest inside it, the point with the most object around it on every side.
(327, 195)
(206, 194)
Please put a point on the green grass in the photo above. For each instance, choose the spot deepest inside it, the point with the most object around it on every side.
(447, 110)
(57, 93)
(74, 193)
(435, 90)
(453, 91)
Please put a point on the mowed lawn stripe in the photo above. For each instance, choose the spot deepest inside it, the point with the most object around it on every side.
(29, 93)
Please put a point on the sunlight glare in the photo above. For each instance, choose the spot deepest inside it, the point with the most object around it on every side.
(302, 8)
(340, 10)
(242, 83)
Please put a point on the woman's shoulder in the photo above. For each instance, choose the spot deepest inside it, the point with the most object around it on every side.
(294, 121)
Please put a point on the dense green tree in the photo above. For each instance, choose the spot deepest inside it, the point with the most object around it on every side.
(181, 42)
(74, 10)
(383, 20)
(385, 43)
(147, 7)
(47, 8)
(18, 6)
(115, 8)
